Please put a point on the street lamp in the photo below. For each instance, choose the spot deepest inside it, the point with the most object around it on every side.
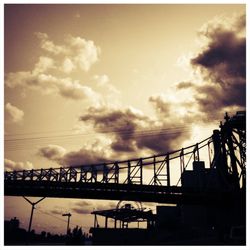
(68, 215)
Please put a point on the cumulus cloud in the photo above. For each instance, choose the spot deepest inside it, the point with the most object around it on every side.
(127, 133)
(10, 165)
(77, 52)
(49, 45)
(75, 90)
(124, 123)
(103, 82)
(222, 62)
(43, 65)
(67, 65)
(13, 114)
(133, 131)
(49, 84)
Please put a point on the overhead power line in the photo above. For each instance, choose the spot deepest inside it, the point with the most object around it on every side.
(74, 139)
(120, 131)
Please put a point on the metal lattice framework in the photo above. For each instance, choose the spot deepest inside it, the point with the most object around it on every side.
(133, 169)
(230, 144)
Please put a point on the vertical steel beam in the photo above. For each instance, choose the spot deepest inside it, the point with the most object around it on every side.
(168, 170)
(155, 176)
(182, 160)
(232, 155)
(141, 177)
(105, 173)
(95, 222)
(116, 173)
(209, 154)
(197, 150)
(217, 148)
(129, 168)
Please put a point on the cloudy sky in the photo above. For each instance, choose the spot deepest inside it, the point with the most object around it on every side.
(94, 83)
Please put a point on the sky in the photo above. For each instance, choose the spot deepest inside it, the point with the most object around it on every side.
(77, 76)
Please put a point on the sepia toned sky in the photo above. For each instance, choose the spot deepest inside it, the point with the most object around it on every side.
(78, 76)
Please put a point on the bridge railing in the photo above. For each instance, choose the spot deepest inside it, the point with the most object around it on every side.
(119, 172)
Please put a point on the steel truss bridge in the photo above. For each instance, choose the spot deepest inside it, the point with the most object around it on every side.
(224, 153)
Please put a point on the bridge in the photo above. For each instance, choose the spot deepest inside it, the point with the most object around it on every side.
(159, 178)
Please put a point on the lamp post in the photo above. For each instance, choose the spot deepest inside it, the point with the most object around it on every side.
(32, 210)
(68, 215)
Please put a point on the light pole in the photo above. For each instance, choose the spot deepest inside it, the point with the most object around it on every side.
(68, 215)
(32, 210)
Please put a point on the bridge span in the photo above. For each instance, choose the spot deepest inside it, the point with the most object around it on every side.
(223, 178)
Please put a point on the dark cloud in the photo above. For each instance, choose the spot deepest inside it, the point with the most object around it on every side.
(132, 131)
(160, 104)
(57, 211)
(122, 123)
(223, 65)
(82, 210)
(163, 142)
(52, 152)
(83, 207)
(84, 156)
(184, 85)
(86, 207)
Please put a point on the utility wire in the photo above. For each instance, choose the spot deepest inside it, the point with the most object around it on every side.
(18, 145)
(56, 217)
(72, 139)
(125, 131)
(121, 133)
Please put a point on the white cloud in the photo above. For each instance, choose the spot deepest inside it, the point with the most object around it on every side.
(68, 66)
(75, 90)
(103, 82)
(101, 79)
(10, 165)
(78, 52)
(43, 65)
(75, 53)
(48, 45)
(49, 84)
(13, 114)
(82, 52)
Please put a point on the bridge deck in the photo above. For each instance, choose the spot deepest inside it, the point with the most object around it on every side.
(112, 191)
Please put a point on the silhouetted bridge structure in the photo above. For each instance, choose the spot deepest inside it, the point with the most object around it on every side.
(151, 179)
